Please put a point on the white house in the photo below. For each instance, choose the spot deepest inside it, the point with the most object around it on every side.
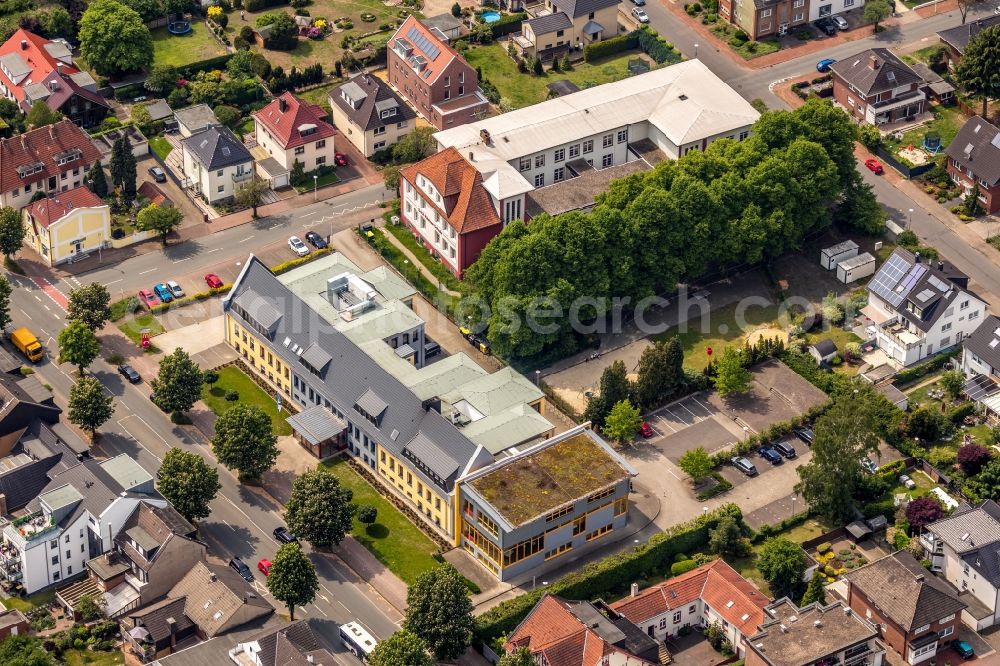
(823, 8)
(216, 163)
(920, 307)
(289, 130)
(981, 365)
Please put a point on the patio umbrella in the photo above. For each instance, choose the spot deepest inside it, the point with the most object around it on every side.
(139, 633)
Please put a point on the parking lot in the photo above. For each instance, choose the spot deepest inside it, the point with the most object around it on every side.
(690, 423)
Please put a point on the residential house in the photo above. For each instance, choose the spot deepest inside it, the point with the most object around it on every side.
(445, 26)
(289, 130)
(974, 162)
(563, 25)
(12, 622)
(761, 19)
(216, 164)
(825, 8)
(194, 119)
(370, 115)
(876, 88)
(66, 226)
(957, 39)
(491, 172)
(159, 629)
(442, 87)
(920, 307)
(814, 634)
(916, 612)
(712, 594)
(34, 69)
(981, 365)
(965, 549)
(49, 159)
(559, 631)
(295, 643)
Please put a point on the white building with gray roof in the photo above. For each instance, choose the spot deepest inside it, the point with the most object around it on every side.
(215, 163)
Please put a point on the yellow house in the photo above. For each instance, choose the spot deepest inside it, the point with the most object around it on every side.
(67, 225)
(561, 25)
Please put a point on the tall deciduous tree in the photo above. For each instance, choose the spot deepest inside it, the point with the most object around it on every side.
(292, 579)
(113, 38)
(923, 511)
(877, 11)
(161, 79)
(78, 345)
(122, 166)
(401, 649)
(11, 231)
(5, 291)
(319, 509)
(964, 6)
(614, 387)
(24, 650)
(696, 463)
(161, 219)
(90, 406)
(978, 71)
(415, 146)
(782, 563)
(97, 180)
(731, 374)
(40, 115)
(661, 371)
(727, 539)
(623, 422)
(860, 209)
(188, 483)
(251, 195)
(439, 610)
(90, 304)
(244, 442)
(178, 384)
(952, 381)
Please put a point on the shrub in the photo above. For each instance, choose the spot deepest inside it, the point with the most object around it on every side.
(824, 547)
(678, 568)
(972, 457)
(232, 395)
(507, 24)
(608, 47)
(958, 413)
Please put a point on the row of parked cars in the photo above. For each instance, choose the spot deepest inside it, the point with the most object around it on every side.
(775, 452)
(282, 536)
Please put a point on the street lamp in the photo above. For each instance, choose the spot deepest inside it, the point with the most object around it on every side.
(315, 187)
(793, 506)
(538, 378)
(909, 215)
(746, 433)
(696, 50)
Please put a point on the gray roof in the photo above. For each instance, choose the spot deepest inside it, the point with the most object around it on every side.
(317, 424)
(48, 454)
(576, 8)
(58, 49)
(592, 28)
(216, 650)
(373, 92)
(372, 404)
(217, 147)
(825, 347)
(316, 357)
(819, 631)
(84, 80)
(154, 618)
(549, 23)
(960, 36)
(15, 64)
(262, 311)
(158, 109)
(196, 117)
(919, 291)
(987, 563)
(290, 644)
(971, 530)
(985, 342)
(977, 147)
(142, 537)
(96, 487)
(436, 459)
(444, 22)
(890, 72)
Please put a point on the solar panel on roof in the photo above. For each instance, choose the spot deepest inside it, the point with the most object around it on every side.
(925, 295)
(888, 277)
(422, 43)
(938, 283)
(911, 278)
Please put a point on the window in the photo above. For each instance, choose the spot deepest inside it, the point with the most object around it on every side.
(525, 164)
(798, 17)
(764, 13)
(447, 81)
(964, 305)
(321, 143)
(487, 523)
(67, 539)
(691, 609)
(607, 492)
(622, 136)
(558, 174)
(744, 134)
(591, 16)
(947, 631)
(379, 131)
(219, 172)
(556, 552)
(222, 188)
(55, 559)
(946, 327)
(927, 649)
(488, 548)
(559, 155)
(524, 549)
(321, 160)
(974, 315)
(607, 160)
(621, 506)
(539, 161)
(588, 146)
(799, 3)
(69, 554)
(663, 623)
(379, 145)
(559, 33)
(579, 525)
(608, 140)
(598, 533)
(298, 151)
(54, 544)
(677, 617)
(574, 151)
(559, 513)
(540, 180)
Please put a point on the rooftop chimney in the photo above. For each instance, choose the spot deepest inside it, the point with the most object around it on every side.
(472, 157)
(818, 623)
(24, 44)
(3, 504)
(635, 589)
(847, 610)
(172, 626)
(309, 658)
(916, 257)
(282, 104)
(59, 67)
(52, 132)
(873, 62)
(940, 265)
(212, 577)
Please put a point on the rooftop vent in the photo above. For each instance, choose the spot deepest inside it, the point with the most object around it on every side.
(682, 97)
(783, 628)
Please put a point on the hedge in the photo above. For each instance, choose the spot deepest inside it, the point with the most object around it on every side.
(678, 568)
(933, 365)
(656, 47)
(207, 65)
(507, 24)
(609, 575)
(771, 433)
(257, 5)
(609, 47)
(958, 414)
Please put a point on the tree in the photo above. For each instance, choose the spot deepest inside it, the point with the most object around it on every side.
(78, 345)
(727, 538)
(861, 209)
(815, 593)
(536, 67)
(178, 384)
(162, 220)
(415, 146)
(228, 115)
(986, 484)
(292, 578)
(972, 457)
(113, 38)
(97, 180)
(978, 71)
(11, 231)
(319, 509)
(56, 22)
(951, 382)
(122, 166)
(367, 514)
(188, 483)
(661, 371)
(877, 11)
(90, 608)
(439, 610)
(390, 175)
(209, 377)
(90, 304)
(40, 115)
(964, 6)
(614, 386)
(161, 79)
(923, 511)
(149, 10)
(696, 463)
(731, 374)
(926, 424)
(284, 33)
(297, 176)
(142, 118)
(243, 441)
(970, 205)
(456, 10)
(89, 406)
(5, 291)
(24, 650)
(401, 649)
(782, 563)
(519, 657)
(240, 65)
(251, 195)
(623, 422)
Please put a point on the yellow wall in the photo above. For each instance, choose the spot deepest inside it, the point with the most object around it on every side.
(55, 244)
(265, 363)
(424, 498)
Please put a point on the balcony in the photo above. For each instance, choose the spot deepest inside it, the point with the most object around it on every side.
(31, 527)
(931, 545)
(899, 334)
(240, 177)
(900, 100)
(241, 657)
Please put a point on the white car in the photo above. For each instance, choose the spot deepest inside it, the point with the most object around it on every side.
(175, 289)
(297, 246)
(840, 22)
(640, 15)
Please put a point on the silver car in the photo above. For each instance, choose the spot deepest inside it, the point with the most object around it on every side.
(840, 22)
(640, 15)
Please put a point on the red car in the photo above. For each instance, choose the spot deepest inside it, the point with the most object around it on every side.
(148, 298)
(340, 159)
(874, 166)
(213, 281)
(264, 566)
(646, 430)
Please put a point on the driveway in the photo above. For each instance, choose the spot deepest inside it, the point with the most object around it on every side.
(173, 191)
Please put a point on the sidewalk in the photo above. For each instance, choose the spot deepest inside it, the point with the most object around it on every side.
(416, 262)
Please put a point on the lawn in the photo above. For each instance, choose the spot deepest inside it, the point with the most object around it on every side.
(420, 252)
(747, 50)
(160, 146)
(841, 338)
(76, 657)
(232, 378)
(25, 604)
(946, 123)
(308, 185)
(181, 50)
(132, 328)
(925, 54)
(719, 330)
(526, 89)
(319, 95)
(394, 540)
(248, 126)
(747, 566)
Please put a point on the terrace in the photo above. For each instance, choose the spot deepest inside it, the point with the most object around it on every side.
(30, 527)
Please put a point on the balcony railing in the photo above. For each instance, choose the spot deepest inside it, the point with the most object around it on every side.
(905, 98)
(240, 177)
(901, 335)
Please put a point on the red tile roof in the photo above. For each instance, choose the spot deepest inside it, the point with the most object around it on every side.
(33, 52)
(467, 205)
(444, 54)
(42, 148)
(716, 583)
(155, 195)
(286, 125)
(55, 207)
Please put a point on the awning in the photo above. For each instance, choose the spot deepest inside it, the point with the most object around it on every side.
(592, 28)
(317, 424)
(875, 314)
(926, 639)
(979, 387)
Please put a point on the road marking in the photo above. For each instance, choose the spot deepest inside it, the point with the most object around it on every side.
(108, 284)
(149, 271)
(214, 250)
(320, 610)
(46, 307)
(177, 261)
(696, 417)
(708, 408)
(25, 313)
(247, 238)
(136, 439)
(250, 520)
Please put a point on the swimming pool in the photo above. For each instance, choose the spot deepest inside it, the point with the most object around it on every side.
(490, 17)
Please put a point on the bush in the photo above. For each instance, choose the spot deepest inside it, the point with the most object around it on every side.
(232, 395)
(957, 414)
(824, 547)
(608, 47)
(916, 372)
(257, 5)
(507, 24)
(678, 568)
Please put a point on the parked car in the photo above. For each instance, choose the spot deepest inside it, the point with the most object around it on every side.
(241, 568)
(961, 647)
(297, 246)
(639, 3)
(826, 26)
(869, 466)
(823, 65)
(282, 535)
(840, 22)
(129, 373)
(874, 166)
(213, 280)
(175, 289)
(770, 455)
(646, 430)
(148, 298)
(744, 465)
(316, 240)
(264, 566)
(640, 15)
(805, 434)
(340, 159)
(785, 448)
(157, 174)
(163, 292)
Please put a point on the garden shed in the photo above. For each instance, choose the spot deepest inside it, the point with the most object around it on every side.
(831, 256)
(823, 350)
(855, 268)
(858, 531)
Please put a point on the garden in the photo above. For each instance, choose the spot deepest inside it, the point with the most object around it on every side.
(235, 387)
(740, 42)
(180, 50)
(921, 144)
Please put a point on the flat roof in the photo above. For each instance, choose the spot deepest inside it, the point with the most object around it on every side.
(796, 636)
(578, 192)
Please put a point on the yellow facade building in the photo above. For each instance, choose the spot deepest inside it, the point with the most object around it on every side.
(67, 225)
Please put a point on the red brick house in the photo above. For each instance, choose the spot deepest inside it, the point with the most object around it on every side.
(765, 18)
(876, 87)
(974, 158)
(12, 623)
(442, 87)
(958, 38)
(916, 612)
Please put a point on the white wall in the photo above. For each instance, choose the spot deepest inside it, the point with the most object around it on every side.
(618, 152)
(435, 229)
(217, 184)
(311, 154)
(835, 7)
(966, 578)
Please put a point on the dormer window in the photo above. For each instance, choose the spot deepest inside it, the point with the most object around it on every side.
(387, 113)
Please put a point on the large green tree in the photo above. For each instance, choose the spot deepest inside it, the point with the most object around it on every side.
(24, 650)
(877, 11)
(623, 422)
(415, 146)
(401, 649)
(986, 484)
(861, 210)
(113, 38)
(90, 406)
(5, 291)
(149, 10)
(439, 610)
(244, 442)
(727, 538)
(978, 72)
(97, 181)
(814, 592)
(519, 657)
(40, 115)
(782, 562)
(178, 384)
(11, 231)
(188, 482)
(123, 171)
(161, 79)
(319, 509)
(614, 387)
(78, 345)
(696, 463)
(292, 579)
(90, 304)
(661, 371)
(731, 374)
(161, 219)
(251, 194)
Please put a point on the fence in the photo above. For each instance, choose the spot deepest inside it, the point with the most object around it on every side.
(908, 171)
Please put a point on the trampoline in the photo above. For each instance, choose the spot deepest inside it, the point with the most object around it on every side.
(179, 27)
(932, 142)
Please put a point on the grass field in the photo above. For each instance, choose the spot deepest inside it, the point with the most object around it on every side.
(232, 378)
(319, 95)
(394, 540)
(947, 121)
(132, 328)
(32, 602)
(747, 566)
(719, 330)
(87, 658)
(160, 146)
(180, 50)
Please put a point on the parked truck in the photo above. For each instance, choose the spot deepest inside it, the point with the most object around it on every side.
(29, 345)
